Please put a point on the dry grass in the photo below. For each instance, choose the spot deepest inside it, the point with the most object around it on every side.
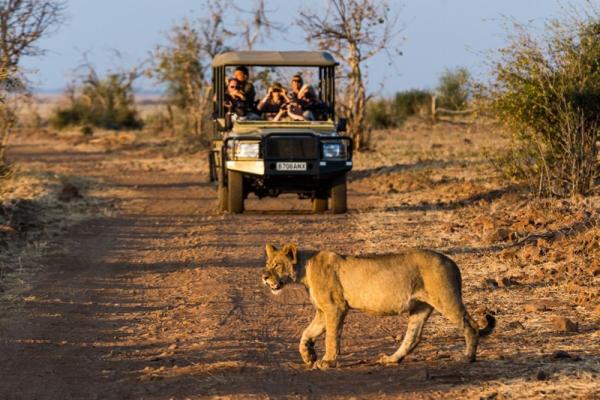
(33, 213)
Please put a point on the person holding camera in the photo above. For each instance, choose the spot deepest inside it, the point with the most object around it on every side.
(305, 105)
(274, 101)
(237, 103)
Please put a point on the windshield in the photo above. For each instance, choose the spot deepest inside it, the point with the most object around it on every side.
(276, 94)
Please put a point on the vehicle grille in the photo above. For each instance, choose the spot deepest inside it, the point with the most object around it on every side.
(292, 148)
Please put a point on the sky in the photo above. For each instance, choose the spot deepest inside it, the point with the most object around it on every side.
(435, 35)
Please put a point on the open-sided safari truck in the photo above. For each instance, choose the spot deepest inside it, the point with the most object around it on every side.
(268, 158)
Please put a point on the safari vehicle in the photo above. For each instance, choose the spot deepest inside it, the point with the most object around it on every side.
(267, 158)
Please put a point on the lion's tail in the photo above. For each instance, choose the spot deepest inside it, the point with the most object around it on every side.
(490, 325)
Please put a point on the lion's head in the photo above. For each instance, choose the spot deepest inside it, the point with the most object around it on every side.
(280, 268)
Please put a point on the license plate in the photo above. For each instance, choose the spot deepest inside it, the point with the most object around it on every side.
(291, 166)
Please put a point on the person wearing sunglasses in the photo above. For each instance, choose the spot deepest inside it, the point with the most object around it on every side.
(296, 85)
(237, 103)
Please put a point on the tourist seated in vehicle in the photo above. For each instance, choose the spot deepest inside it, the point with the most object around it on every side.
(241, 74)
(236, 102)
(309, 107)
(306, 96)
(296, 85)
(271, 105)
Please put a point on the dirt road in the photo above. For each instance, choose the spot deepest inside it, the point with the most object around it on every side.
(162, 298)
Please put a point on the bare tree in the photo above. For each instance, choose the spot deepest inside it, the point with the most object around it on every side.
(179, 65)
(184, 66)
(354, 31)
(257, 26)
(22, 24)
(213, 33)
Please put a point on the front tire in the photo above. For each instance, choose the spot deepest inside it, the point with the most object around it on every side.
(212, 167)
(338, 195)
(319, 204)
(235, 183)
(222, 192)
(222, 198)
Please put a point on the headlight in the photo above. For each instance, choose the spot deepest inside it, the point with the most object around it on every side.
(247, 150)
(335, 150)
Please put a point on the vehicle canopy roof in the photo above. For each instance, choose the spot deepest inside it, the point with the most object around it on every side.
(275, 58)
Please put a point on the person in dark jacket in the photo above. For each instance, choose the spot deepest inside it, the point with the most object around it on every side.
(310, 106)
(237, 103)
(241, 75)
(296, 84)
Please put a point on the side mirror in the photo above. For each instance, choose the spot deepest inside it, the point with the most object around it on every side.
(341, 124)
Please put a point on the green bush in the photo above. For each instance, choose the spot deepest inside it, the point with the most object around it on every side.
(379, 115)
(547, 91)
(106, 103)
(391, 113)
(454, 89)
(410, 102)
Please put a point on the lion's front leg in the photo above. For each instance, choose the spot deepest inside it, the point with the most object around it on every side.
(312, 332)
(334, 320)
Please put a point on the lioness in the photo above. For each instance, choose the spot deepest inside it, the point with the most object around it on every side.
(416, 281)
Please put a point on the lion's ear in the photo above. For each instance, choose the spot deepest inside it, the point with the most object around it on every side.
(269, 250)
(291, 251)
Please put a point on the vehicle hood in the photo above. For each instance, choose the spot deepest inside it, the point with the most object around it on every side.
(323, 128)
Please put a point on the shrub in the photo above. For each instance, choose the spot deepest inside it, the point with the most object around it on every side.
(99, 102)
(157, 122)
(7, 120)
(547, 91)
(391, 113)
(410, 102)
(379, 114)
(454, 89)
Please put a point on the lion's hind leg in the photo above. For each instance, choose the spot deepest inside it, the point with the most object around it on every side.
(418, 314)
(307, 343)
(458, 315)
(471, 332)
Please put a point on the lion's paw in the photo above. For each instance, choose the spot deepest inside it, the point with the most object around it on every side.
(325, 364)
(387, 360)
(308, 353)
(309, 359)
(468, 358)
